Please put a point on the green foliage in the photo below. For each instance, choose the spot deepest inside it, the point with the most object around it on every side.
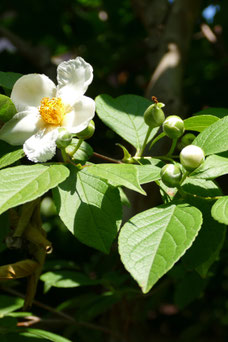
(9, 304)
(90, 208)
(66, 279)
(103, 301)
(118, 175)
(84, 152)
(152, 241)
(21, 184)
(220, 210)
(7, 79)
(124, 115)
(11, 157)
(213, 167)
(199, 122)
(214, 139)
(7, 108)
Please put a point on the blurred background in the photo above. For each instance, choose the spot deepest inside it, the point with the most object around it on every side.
(176, 50)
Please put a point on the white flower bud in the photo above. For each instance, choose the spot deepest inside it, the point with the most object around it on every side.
(191, 157)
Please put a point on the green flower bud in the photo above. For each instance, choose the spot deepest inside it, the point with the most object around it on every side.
(47, 207)
(154, 115)
(87, 132)
(171, 175)
(186, 140)
(64, 138)
(173, 126)
(192, 157)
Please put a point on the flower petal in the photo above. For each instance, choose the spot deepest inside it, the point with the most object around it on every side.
(29, 90)
(82, 112)
(24, 124)
(41, 146)
(74, 77)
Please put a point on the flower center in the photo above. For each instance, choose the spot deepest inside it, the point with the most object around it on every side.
(52, 110)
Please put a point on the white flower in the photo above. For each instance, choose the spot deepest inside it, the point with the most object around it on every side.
(43, 107)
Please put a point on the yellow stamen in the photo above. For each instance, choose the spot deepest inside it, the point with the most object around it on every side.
(52, 110)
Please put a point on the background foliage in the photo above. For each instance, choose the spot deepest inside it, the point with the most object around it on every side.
(101, 299)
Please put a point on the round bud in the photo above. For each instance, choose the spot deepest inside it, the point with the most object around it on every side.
(191, 157)
(171, 175)
(186, 140)
(64, 138)
(154, 115)
(87, 132)
(173, 126)
(47, 207)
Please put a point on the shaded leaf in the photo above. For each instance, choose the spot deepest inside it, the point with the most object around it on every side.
(9, 304)
(7, 79)
(90, 208)
(45, 334)
(219, 112)
(209, 242)
(188, 289)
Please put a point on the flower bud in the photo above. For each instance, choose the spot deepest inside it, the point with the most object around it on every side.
(87, 132)
(171, 175)
(186, 140)
(173, 126)
(64, 138)
(191, 157)
(154, 115)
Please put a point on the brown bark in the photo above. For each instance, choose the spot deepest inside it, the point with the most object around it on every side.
(169, 28)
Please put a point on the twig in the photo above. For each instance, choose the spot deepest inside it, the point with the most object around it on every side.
(98, 155)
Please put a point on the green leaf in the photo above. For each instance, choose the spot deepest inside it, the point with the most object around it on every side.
(148, 173)
(213, 167)
(219, 210)
(9, 304)
(84, 152)
(46, 334)
(124, 115)
(118, 175)
(199, 123)
(7, 79)
(66, 279)
(214, 139)
(90, 208)
(11, 157)
(21, 184)
(7, 108)
(209, 242)
(219, 112)
(151, 242)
